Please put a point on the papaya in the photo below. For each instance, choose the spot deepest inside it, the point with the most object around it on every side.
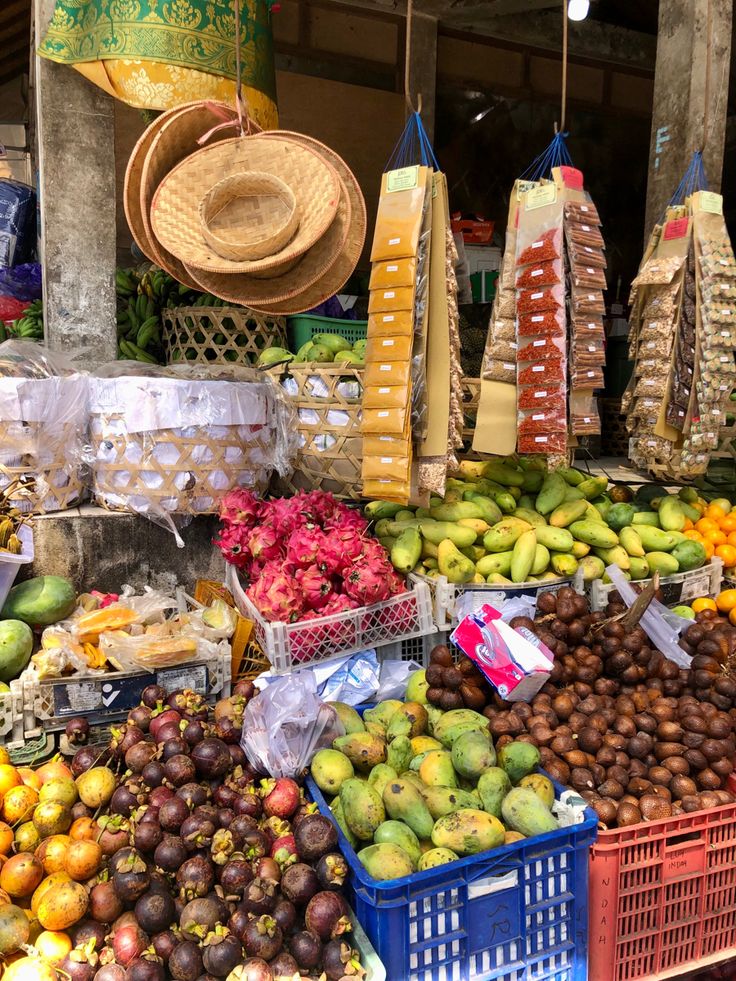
(40, 601)
(594, 533)
(522, 810)
(362, 807)
(386, 861)
(403, 802)
(518, 760)
(493, 786)
(565, 514)
(503, 535)
(398, 833)
(468, 832)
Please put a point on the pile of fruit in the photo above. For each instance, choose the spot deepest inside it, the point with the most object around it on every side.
(512, 522)
(30, 325)
(306, 556)
(321, 349)
(413, 787)
(163, 856)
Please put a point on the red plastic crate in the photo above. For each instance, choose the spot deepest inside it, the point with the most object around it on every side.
(662, 897)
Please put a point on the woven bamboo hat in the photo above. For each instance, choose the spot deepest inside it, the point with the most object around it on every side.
(305, 295)
(175, 208)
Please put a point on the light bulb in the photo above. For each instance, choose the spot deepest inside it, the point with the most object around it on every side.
(578, 9)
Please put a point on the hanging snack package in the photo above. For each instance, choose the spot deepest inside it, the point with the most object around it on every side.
(400, 213)
(393, 274)
(550, 324)
(546, 246)
(390, 300)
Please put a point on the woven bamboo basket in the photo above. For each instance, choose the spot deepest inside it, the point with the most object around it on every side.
(219, 335)
(328, 399)
(36, 473)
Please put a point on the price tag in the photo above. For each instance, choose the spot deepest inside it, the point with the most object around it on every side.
(572, 178)
(711, 202)
(677, 228)
(404, 179)
(540, 197)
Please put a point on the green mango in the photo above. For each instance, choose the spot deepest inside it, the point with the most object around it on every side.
(615, 556)
(350, 719)
(565, 514)
(406, 550)
(381, 775)
(363, 749)
(689, 555)
(503, 535)
(555, 539)
(650, 518)
(330, 769)
(619, 516)
(594, 533)
(339, 815)
(671, 514)
(437, 532)
(436, 856)
(456, 567)
(530, 516)
(468, 832)
(398, 833)
(602, 507)
(447, 800)
(375, 510)
(631, 540)
(551, 494)
(413, 778)
(454, 723)
(362, 807)
(593, 487)
(491, 510)
(386, 861)
(572, 494)
(532, 481)
(410, 719)
(436, 769)
(655, 539)
(541, 560)
(335, 342)
(638, 568)
(399, 753)
(493, 786)
(472, 753)
(416, 689)
(592, 568)
(542, 787)
(496, 562)
(403, 802)
(663, 563)
(383, 712)
(518, 760)
(523, 811)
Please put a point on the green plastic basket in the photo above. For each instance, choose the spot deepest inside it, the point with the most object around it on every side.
(303, 328)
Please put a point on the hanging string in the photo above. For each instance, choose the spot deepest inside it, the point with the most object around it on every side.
(407, 63)
(556, 155)
(693, 180)
(563, 109)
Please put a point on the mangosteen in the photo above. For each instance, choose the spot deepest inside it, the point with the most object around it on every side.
(237, 755)
(235, 875)
(159, 883)
(147, 836)
(339, 960)
(146, 815)
(245, 688)
(315, 836)
(326, 915)
(299, 883)
(284, 966)
(172, 813)
(196, 877)
(153, 774)
(222, 846)
(207, 811)
(171, 854)
(197, 832)
(227, 731)
(221, 952)
(152, 694)
(159, 795)
(155, 912)
(110, 972)
(80, 810)
(77, 731)
(169, 732)
(130, 875)
(84, 931)
(173, 746)
(304, 810)
(128, 942)
(263, 938)
(239, 920)
(225, 817)
(146, 968)
(285, 915)
(306, 949)
(259, 897)
(104, 903)
(267, 868)
(115, 834)
(254, 969)
(275, 828)
(139, 756)
(201, 916)
(224, 796)
(166, 718)
(123, 738)
(141, 716)
(211, 758)
(194, 794)
(123, 802)
(77, 967)
(180, 769)
(255, 843)
(185, 962)
(332, 871)
(194, 732)
(163, 943)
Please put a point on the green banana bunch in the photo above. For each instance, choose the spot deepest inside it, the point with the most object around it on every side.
(30, 325)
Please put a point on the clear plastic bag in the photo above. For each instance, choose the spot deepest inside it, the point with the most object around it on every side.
(546, 324)
(285, 725)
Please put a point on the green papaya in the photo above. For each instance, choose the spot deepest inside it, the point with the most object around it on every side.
(518, 759)
(522, 810)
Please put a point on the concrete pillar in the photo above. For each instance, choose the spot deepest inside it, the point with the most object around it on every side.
(423, 66)
(76, 185)
(690, 95)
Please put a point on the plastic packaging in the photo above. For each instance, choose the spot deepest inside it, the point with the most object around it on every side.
(541, 274)
(537, 301)
(173, 441)
(22, 282)
(542, 349)
(532, 397)
(542, 373)
(393, 679)
(584, 234)
(43, 420)
(545, 247)
(17, 222)
(546, 324)
(542, 421)
(582, 212)
(547, 443)
(285, 725)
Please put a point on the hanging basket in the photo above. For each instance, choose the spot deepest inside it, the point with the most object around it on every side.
(219, 335)
(328, 400)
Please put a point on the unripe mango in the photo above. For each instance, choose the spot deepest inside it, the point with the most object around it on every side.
(468, 832)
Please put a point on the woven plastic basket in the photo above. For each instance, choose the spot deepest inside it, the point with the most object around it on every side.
(327, 398)
(219, 335)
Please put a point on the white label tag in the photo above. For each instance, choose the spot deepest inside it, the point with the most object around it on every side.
(537, 296)
(389, 318)
(537, 319)
(382, 414)
(383, 391)
(389, 295)
(538, 416)
(388, 342)
(538, 367)
(540, 395)
(537, 272)
(392, 268)
(385, 367)
(394, 241)
(539, 344)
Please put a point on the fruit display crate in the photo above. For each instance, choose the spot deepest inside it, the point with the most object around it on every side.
(445, 593)
(663, 896)
(104, 697)
(303, 327)
(414, 649)
(514, 913)
(680, 588)
(10, 564)
(11, 716)
(290, 646)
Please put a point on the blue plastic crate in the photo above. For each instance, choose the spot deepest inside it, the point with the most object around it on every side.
(517, 913)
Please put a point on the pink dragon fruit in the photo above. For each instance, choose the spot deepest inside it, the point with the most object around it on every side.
(368, 581)
(346, 517)
(305, 545)
(339, 603)
(320, 505)
(240, 507)
(234, 546)
(285, 514)
(316, 586)
(276, 594)
(265, 543)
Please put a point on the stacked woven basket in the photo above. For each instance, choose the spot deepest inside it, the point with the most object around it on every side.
(275, 221)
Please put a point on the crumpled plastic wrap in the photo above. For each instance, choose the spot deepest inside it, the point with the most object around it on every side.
(169, 443)
(43, 420)
(17, 222)
(286, 724)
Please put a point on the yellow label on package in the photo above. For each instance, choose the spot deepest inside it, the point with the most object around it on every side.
(402, 180)
(540, 197)
(711, 202)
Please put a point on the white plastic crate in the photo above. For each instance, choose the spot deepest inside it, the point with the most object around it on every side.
(51, 703)
(445, 594)
(11, 715)
(680, 588)
(413, 649)
(10, 564)
(289, 646)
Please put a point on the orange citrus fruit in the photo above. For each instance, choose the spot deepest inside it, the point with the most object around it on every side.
(710, 549)
(728, 524)
(688, 526)
(728, 554)
(693, 534)
(726, 600)
(731, 538)
(716, 537)
(732, 617)
(704, 603)
(721, 502)
(706, 524)
(715, 512)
